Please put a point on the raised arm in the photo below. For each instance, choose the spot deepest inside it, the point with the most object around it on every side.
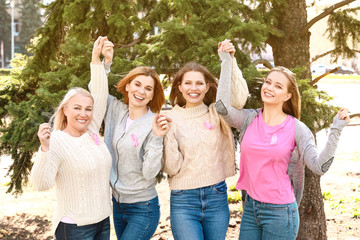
(231, 115)
(99, 83)
(320, 163)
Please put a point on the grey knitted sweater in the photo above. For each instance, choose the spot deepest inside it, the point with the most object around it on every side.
(305, 152)
(136, 153)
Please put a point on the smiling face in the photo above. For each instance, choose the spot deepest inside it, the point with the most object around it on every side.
(78, 114)
(193, 88)
(140, 91)
(275, 89)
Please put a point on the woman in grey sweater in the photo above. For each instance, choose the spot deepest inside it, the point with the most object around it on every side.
(275, 145)
(134, 136)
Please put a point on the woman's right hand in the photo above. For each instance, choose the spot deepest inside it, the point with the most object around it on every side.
(160, 125)
(96, 52)
(44, 135)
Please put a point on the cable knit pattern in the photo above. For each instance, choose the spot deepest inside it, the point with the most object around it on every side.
(80, 170)
(196, 155)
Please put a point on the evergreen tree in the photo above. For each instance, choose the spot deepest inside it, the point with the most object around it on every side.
(5, 30)
(166, 34)
(30, 20)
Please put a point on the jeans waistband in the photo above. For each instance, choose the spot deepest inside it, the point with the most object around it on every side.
(248, 198)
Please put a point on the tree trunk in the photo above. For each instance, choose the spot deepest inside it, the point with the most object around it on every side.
(311, 209)
(292, 50)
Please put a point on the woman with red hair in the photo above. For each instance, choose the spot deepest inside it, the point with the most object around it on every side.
(134, 136)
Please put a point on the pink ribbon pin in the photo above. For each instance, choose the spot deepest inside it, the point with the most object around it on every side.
(135, 141)
(96, 139)
(274, 139)
(208, 125)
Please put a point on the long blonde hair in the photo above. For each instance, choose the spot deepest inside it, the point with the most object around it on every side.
(59, 118)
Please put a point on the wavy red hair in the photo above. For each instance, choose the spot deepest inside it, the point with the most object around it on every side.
(159, 98)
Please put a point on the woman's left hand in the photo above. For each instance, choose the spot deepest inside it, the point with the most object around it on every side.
(108, 51)
(344, 114)
(160, 125)
(226, 46)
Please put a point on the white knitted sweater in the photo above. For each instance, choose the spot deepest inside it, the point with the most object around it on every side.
(80, 170)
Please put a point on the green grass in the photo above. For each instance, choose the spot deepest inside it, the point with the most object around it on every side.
(234, 197)
(340, 76)
(356, 213)
(332, 78)
(239, 209)
(232, 187)
(327, 195)
(337, 206)
(356, 156)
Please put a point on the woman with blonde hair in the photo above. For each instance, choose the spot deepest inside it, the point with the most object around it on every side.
(134, 136)
(275, 146)
(77, 161)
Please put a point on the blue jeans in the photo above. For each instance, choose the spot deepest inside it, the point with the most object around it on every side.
(136, 220)
(96, 231)
(269, 221)
(201, 213)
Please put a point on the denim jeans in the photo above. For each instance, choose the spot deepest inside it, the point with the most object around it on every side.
(136, 221)
(265, 221)
(96, 231)
(201, 213)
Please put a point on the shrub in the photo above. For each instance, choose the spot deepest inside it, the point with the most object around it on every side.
(234, 197)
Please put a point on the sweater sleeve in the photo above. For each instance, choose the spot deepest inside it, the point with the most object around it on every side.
(320, 163)
(99, 90)
(45, 168)
(107, 67)
(231, 115)
(153, 151)
(172, 159)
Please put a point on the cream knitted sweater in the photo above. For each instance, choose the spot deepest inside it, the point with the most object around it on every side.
(80, 170)
(198, 149)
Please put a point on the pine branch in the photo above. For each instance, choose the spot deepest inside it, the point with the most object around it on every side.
(327, 53)
(325, 13)
(276, 32)
(138, 40)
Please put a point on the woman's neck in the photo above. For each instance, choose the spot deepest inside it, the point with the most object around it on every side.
(192, 105)
(135, 113)
(273, 115)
